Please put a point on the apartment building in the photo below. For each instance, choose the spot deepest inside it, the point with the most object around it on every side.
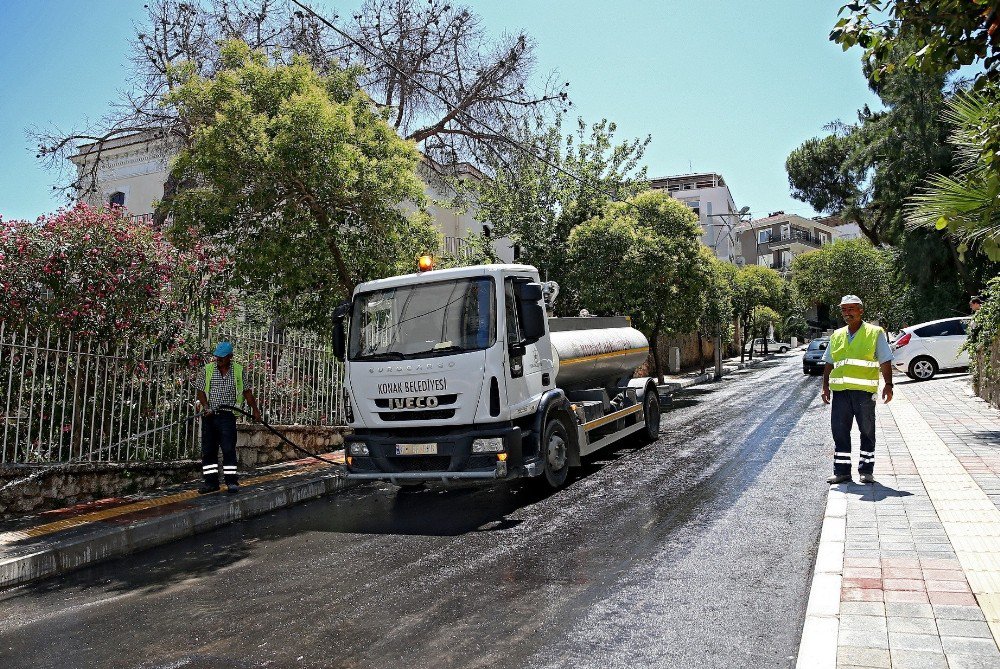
(775, 240)
(132, 171)
(708, 196)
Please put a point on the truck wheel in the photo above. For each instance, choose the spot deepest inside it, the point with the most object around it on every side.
(651, 410)
(555, 452)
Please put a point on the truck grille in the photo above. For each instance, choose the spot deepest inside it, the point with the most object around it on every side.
(383, 403)
(434, 414)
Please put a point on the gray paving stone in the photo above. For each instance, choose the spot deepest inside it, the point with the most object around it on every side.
(863, 638)
(863, 657)
(906, 641)
(966, 628)
(862, 609)
(956, 612)
(875, 624)
(913, 625)
(917, 659)
(964, 661)
(908, 610)
(963, 645)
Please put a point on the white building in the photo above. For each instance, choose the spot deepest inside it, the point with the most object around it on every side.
(775, 240)
(708, 196)
(841, 228)
(133, 170)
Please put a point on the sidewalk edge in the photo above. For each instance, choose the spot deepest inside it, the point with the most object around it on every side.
(115, 541)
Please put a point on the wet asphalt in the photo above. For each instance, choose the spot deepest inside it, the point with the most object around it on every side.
(695, 551)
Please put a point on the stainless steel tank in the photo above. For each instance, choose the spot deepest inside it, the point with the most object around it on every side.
(595, 352)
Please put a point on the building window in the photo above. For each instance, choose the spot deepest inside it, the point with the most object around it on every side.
(117, 198)
(764, 261)
(763, 236)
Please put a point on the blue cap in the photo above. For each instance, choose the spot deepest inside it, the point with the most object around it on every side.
(223, 349)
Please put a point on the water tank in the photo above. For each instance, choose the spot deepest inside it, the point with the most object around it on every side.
(595, 352)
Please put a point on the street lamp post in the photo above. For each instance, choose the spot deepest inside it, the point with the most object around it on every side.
(729, 225)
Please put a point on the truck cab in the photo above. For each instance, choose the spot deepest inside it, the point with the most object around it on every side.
(451, 375)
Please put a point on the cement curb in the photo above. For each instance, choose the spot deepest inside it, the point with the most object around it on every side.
(94, 544)
(668, 389)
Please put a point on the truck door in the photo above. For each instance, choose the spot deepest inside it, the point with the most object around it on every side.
(524, 373)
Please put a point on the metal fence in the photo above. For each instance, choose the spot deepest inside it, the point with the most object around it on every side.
(72, 399)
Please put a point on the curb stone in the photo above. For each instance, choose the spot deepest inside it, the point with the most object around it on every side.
(96, 544)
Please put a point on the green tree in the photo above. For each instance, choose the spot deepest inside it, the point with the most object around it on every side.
(753, 287)
(650, 264)
(716, 319)
(926, 35)
(851, 267)
(537, 203)
(300, 176)
(967, 204)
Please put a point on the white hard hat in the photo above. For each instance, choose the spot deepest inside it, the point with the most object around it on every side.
(850, 299)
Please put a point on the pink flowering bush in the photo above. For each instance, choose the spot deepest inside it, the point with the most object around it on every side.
(97, 273)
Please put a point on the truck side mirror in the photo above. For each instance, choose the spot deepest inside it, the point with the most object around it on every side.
(530, 311)
(339, 335)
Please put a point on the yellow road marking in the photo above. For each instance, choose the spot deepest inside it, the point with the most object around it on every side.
(588, 358)
(104, 514)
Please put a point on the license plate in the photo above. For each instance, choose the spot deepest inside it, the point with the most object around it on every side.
(416, 449)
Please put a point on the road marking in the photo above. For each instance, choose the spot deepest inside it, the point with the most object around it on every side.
(969, 517)
(144, 505)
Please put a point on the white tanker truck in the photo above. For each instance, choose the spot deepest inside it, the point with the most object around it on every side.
(459, 374)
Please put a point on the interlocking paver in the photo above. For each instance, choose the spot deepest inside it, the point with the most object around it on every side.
(919, 551)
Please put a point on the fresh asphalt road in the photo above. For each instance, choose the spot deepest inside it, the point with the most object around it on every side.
(695, 551)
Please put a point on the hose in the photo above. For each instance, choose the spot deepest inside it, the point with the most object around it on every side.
(229, 407)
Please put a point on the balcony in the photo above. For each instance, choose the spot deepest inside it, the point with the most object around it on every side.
(778, 266)
(796, 236)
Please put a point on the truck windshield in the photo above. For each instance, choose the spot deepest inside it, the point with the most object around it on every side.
(423, 320)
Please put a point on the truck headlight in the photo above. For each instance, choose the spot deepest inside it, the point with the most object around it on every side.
(358, 448)
(488, 445)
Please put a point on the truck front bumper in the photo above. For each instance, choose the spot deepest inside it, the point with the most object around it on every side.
(452, 460)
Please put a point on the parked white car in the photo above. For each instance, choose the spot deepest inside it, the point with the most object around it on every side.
(772, 346)
(921, 351)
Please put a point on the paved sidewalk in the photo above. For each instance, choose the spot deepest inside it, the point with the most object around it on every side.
(908, 569)
(62, 540)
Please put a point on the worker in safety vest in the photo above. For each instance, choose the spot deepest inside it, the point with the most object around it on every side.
(223, 385)
(855, 356)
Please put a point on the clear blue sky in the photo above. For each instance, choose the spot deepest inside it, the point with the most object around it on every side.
(722, 85)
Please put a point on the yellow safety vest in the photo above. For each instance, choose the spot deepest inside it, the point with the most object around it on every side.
(237, 373)
(855, 366)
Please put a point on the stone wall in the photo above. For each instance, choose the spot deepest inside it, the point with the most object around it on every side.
(987, 380)
(69, 484)
(690, 357)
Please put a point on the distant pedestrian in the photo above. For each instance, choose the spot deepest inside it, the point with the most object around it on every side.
(855, 356)
(975, 303)
(223, 386)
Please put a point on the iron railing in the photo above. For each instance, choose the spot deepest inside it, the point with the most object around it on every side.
(66, 398)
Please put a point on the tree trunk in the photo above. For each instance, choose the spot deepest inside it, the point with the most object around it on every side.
(654, 348)
(701, 352)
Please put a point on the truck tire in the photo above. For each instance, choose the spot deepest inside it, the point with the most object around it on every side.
(651, 412)
(555, 452)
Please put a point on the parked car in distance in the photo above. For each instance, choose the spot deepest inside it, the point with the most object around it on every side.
(812, 359)
(922, 350)
(772, 346)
